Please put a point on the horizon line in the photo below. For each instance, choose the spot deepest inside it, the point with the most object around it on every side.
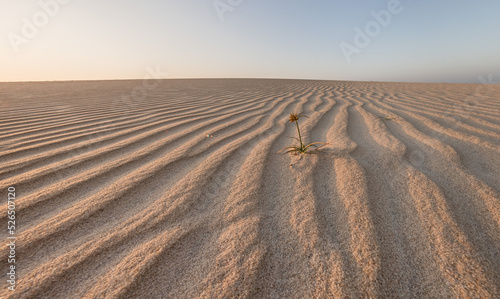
(231, 78)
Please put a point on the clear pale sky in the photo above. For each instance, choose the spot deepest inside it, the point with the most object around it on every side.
(425, 41)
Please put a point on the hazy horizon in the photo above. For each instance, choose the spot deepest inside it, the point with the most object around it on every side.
(204, 78)
(389, 41)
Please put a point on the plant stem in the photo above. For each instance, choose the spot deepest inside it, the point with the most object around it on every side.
(300, 138)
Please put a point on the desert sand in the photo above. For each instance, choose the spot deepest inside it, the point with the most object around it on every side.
(121, 194)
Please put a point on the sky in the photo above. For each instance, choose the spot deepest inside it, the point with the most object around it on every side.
(452, 41)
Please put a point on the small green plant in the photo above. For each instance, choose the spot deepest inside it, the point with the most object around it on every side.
(302, 148)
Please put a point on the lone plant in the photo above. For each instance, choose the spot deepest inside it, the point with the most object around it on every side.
(302, 148)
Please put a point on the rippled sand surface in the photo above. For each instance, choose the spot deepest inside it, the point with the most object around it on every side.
(121, 194)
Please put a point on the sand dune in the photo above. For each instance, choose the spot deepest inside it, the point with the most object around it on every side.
(121, 194)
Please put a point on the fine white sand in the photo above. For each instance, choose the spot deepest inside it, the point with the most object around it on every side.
(127, 197)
